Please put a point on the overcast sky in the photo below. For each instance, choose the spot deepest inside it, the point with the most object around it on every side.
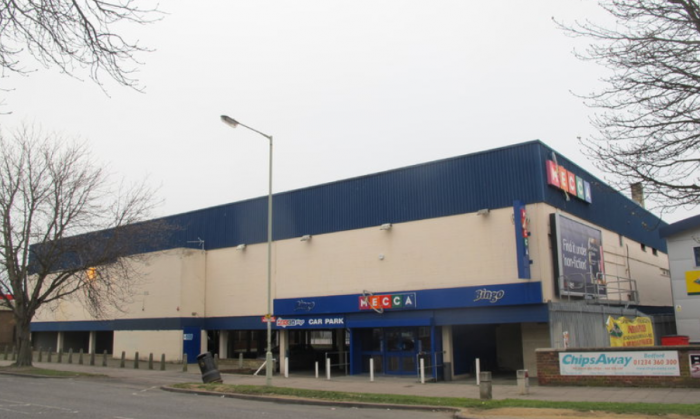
(346, 88)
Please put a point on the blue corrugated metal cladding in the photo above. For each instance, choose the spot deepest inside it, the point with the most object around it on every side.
(490, 179)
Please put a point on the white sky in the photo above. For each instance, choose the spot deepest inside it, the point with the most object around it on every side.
(346, 88)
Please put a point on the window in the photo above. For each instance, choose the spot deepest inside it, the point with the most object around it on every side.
(654, 252)
(424, 339)
(644, 247)
(696, 251)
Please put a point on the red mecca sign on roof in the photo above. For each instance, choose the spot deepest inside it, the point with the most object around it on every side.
(568, 182)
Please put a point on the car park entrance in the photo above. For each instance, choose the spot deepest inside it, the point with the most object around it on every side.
(307, 347)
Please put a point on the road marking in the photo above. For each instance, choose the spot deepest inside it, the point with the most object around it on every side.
(53, 407)
(13, 411)
(145, 390)
(13, 405)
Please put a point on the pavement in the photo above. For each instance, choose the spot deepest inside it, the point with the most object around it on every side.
(502, 387)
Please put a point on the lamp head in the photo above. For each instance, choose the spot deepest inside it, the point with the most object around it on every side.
(229, 121)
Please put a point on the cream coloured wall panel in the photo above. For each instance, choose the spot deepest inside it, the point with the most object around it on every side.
(626, 258)
(535, 335)
(237, 281)
(192, 283)
(171, 285)
(168, 342)
(158, 295)
(462, 250)
(446, 252)
(542, 268)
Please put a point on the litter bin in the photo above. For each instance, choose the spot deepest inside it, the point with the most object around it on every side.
(209, 372)
(675, 340)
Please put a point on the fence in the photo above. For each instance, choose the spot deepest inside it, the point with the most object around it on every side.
(104, 359)
(603, 288)
(433, 365)
(584, 324)
(338, 360)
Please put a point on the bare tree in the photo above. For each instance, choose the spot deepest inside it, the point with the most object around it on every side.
(649, 119)
(70, 34)
(65, 231)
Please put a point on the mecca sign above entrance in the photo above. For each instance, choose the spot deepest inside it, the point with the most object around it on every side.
(512, 294)
(388, 302)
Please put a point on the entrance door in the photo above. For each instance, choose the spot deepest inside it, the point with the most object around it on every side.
(401, 350)
(192, 343)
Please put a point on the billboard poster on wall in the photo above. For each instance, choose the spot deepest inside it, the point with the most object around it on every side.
(578, 258)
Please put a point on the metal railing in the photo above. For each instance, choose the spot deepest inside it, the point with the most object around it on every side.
(343, 362)
(584, 323)
(433, 361)
(603, 288)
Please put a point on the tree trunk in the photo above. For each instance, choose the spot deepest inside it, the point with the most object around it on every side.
(23, 343)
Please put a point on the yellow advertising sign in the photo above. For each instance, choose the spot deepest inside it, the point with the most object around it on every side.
(626, 332)
(692, 282)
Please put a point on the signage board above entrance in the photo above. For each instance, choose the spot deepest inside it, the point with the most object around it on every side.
(404, 301)
(432, 299)
(317, 322)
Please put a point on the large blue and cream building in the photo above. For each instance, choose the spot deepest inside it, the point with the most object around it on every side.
(451, 260)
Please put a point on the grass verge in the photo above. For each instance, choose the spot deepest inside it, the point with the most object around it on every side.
(630, 408)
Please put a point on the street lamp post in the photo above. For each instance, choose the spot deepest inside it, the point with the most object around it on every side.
(268, 316)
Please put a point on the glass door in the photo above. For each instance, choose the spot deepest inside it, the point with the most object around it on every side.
(401, 349)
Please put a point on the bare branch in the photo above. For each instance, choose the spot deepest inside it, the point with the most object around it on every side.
(649, 124)
(72, 35)
(60, 218)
